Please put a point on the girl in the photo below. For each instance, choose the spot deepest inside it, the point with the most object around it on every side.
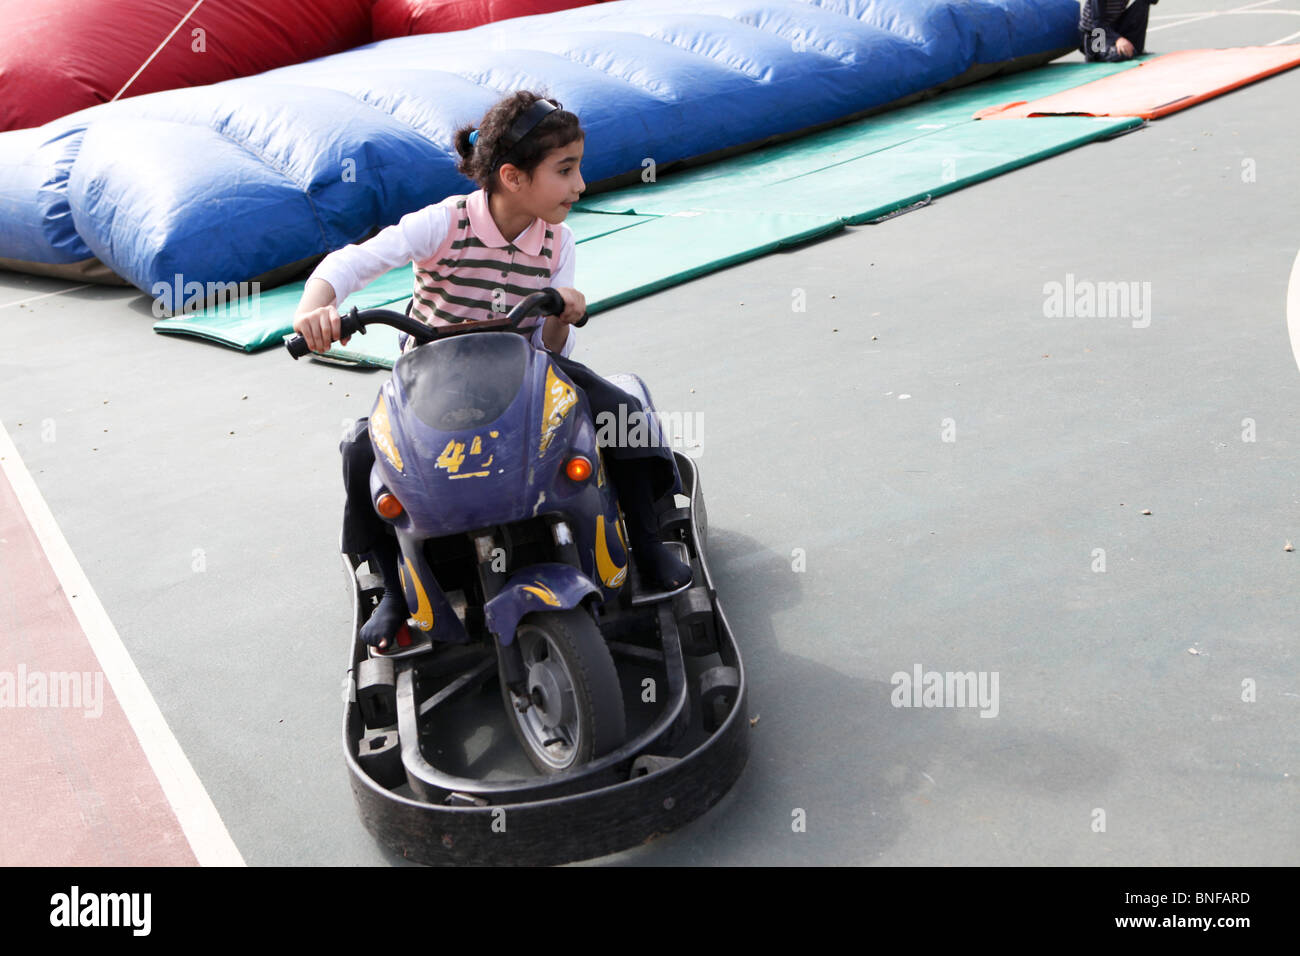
(525, 156)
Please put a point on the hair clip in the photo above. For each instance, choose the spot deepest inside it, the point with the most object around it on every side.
(473, 137)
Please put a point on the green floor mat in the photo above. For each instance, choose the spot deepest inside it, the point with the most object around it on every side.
(672, 249)
(871, 186)
(587, 226)
(849, 174)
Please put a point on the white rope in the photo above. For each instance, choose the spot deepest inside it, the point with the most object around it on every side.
(157, 51)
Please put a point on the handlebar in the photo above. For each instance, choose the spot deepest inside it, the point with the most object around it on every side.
(546, 302)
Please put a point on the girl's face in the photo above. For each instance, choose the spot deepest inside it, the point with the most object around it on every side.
(556, 183)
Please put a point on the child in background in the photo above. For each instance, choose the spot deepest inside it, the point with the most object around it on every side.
(524, 155)
(1109, 32)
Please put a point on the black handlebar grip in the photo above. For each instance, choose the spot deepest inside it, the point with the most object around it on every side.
(348, 325)
(553, 304)
(297, 346)
(583, 321)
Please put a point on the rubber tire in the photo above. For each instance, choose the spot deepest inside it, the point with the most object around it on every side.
(597, 692)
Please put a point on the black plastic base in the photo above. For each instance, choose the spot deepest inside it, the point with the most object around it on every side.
(691, 748)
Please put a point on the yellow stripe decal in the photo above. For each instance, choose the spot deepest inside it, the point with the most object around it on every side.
(381, 431)
(610, 572)
(560, 400)
(543, 592)
(423, 617)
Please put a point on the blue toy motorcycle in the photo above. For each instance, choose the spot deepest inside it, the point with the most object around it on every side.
(514, 565)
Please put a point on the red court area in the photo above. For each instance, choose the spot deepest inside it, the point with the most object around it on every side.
(1160, 86)
(76, 788)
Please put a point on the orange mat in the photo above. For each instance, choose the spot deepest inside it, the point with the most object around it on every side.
(1160, 86)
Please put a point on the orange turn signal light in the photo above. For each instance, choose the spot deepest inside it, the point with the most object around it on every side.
(578, 468)
(388, 506)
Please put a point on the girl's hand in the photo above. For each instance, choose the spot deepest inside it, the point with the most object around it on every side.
(575, 306)
(319, 327)
(555, 332)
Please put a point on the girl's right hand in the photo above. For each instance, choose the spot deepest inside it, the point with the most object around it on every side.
(319, 327)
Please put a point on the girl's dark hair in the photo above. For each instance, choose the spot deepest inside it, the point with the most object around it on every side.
(480, 161)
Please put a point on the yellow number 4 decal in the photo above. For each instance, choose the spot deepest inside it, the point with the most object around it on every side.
(452, 456)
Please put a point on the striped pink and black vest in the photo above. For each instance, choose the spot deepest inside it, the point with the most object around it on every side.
(476, 275)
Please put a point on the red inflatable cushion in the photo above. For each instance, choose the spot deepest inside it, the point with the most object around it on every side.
(60, 56)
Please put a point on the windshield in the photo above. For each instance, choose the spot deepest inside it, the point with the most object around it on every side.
(463, 382)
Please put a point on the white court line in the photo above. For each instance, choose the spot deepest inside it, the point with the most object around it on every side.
(1237, 11)
(1253, 13)
(1196, 18)
(1293, 309)
(1227, 13)
(194, 809)
(1183, 16)
(44, 295)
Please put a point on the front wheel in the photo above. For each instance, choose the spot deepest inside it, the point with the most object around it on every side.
(575, 711)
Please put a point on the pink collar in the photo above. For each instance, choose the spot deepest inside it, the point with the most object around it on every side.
(480, 220)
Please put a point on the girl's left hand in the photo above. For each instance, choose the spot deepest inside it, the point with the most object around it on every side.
(575, 306)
